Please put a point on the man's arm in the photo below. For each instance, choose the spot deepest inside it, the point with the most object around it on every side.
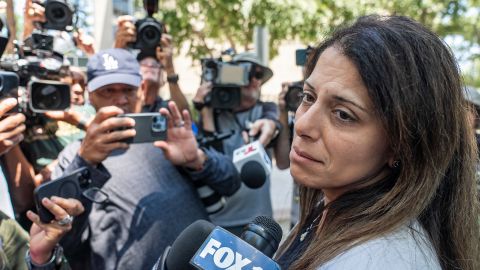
(282, 147)
(218, 172)
(165, 57)
(33, 12)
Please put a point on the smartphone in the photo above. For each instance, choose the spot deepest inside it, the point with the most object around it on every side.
(149, 127)
(68, 186)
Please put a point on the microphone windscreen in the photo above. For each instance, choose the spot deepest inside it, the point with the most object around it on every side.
(187, 244)
(264, 234)
(270, 226)
(253, 175)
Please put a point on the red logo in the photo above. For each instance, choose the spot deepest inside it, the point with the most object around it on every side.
(249, 150)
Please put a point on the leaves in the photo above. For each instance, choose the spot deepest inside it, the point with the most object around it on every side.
(211, 26)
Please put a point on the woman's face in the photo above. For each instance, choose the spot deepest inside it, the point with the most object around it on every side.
(339, 143)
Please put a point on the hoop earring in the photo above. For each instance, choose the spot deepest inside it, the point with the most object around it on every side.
(395, 164)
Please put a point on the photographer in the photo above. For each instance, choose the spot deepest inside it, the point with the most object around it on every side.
(151, 196)
(34, 16)
(252, 118)
(152, 67)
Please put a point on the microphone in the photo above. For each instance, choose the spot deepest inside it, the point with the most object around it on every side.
(252, 173)
(204, 246)
(253, 164)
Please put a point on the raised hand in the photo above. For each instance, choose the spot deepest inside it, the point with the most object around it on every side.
(181, 146)
(11, 126)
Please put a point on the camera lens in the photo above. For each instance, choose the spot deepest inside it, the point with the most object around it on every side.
(57, 12)
(150, 35)
(159, 124)
(224, 95)
(47, 98)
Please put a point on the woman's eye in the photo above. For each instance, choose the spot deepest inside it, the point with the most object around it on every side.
(307, 98)
(342, 115)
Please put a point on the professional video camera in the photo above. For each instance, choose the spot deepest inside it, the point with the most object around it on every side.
(39, 72)
(59, 14)
(149, 30)
(227, 78)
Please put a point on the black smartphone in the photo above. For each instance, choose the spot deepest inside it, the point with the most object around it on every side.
(150, 127)
(68, 186)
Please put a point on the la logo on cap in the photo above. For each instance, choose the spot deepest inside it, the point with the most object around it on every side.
(109, 62)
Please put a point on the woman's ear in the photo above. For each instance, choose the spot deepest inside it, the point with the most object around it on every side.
(393, 163)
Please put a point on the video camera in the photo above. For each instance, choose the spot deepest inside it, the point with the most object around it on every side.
(149, 30)
(227, 79)
(59, 15)
(40, 76)
(37, 70)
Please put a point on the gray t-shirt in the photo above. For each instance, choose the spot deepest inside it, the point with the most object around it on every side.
(406, 248)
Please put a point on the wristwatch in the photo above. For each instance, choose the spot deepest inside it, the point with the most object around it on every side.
(198, 105)
(173, 78)
(54, 263)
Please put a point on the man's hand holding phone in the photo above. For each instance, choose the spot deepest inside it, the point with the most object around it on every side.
(11, 126)
(45, 236)
(105, 134)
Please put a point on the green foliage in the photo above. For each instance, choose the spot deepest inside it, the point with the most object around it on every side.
(210, 26)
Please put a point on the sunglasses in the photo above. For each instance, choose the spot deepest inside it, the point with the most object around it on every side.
(257, 74)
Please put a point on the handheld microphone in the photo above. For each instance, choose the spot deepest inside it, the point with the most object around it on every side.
(252, 173)
(253, 164)
(204, 246)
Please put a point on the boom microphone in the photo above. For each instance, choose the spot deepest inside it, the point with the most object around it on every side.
(204, 246)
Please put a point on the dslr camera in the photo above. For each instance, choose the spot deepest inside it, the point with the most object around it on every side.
(227, 78)
(293, 97)
(59, 15)
(149, 30)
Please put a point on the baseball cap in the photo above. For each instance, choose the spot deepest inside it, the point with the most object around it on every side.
(112, 66)
(253, 58)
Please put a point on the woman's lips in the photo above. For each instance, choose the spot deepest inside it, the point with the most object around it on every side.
(302, 155)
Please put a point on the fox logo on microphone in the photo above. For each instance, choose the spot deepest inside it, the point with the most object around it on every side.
(222, 250)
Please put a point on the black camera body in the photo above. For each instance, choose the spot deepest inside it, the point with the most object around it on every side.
(149, 30)
(70, 186)
(39, 74)
(149, 33)
(59, 15)
(293, 97)
(227, 79)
